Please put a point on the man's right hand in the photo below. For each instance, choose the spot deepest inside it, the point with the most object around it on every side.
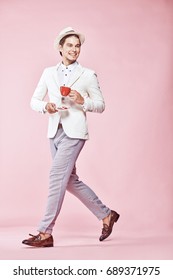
(51, 108)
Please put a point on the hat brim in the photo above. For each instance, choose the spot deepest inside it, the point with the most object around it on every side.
(59, 38)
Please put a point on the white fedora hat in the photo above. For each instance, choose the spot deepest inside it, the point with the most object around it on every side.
(68, 31)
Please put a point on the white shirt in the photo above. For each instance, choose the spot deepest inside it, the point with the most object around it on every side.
(64, 72)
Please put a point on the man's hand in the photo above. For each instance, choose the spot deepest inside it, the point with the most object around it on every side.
(51, 108)
(76, 97)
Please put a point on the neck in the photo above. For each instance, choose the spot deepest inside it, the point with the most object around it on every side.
(68, 62)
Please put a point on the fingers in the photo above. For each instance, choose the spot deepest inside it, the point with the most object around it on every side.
(51, 108)
(73, 94)
(76, 97)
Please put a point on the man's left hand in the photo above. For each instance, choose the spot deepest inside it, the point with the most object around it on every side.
(76, 97)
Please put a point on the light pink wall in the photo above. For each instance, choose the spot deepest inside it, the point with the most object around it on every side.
(129, 158)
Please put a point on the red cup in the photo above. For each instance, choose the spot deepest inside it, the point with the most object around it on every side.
(65, 90)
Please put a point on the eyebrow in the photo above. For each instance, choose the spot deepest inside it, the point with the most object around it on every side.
(69, 44)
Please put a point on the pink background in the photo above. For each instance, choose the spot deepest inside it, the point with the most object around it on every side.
(128, 160)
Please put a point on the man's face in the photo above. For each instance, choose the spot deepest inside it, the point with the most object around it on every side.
(70, 50)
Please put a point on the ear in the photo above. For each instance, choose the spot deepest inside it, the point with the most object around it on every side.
(60, 48)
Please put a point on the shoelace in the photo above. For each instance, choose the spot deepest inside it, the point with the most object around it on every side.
(105, 228)
(38, 237)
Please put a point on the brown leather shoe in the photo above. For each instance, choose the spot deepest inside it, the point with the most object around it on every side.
(106, 231)
(36, 241)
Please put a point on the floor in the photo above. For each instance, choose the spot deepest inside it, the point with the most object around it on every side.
(83, 244)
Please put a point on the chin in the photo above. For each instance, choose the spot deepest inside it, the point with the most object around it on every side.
(73, 57)
(72, 60)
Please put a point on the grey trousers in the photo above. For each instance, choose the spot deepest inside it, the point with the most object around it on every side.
(63, 177)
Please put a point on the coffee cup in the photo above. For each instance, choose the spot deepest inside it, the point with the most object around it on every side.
(65, 90)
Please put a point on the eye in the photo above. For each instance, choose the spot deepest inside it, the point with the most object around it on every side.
(69, 45)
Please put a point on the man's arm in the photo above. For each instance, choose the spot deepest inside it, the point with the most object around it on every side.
(92, 100)
(37, 101)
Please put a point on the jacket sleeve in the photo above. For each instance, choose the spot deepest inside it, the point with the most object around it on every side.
(37, 101)
(93, 100)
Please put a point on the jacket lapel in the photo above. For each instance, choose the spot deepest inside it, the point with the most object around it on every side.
(55, 74)
(75, 75)
(73, 78)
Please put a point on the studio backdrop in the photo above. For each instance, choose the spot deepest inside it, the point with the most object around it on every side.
(128, 159)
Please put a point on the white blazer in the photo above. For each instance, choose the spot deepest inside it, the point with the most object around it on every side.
(73, 120)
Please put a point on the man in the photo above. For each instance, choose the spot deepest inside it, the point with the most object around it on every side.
(68, 132)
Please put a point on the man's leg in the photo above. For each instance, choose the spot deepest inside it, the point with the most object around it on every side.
(87, 196)
(65, 156)
(94, 204)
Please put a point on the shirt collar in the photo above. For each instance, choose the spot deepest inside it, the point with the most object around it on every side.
(69, 67)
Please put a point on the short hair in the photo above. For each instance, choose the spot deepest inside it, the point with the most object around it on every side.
(62, 41)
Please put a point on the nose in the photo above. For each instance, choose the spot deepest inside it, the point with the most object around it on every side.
(74, 49)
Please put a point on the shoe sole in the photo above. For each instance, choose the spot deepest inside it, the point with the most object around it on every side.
(39, 246)
(48, 245)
